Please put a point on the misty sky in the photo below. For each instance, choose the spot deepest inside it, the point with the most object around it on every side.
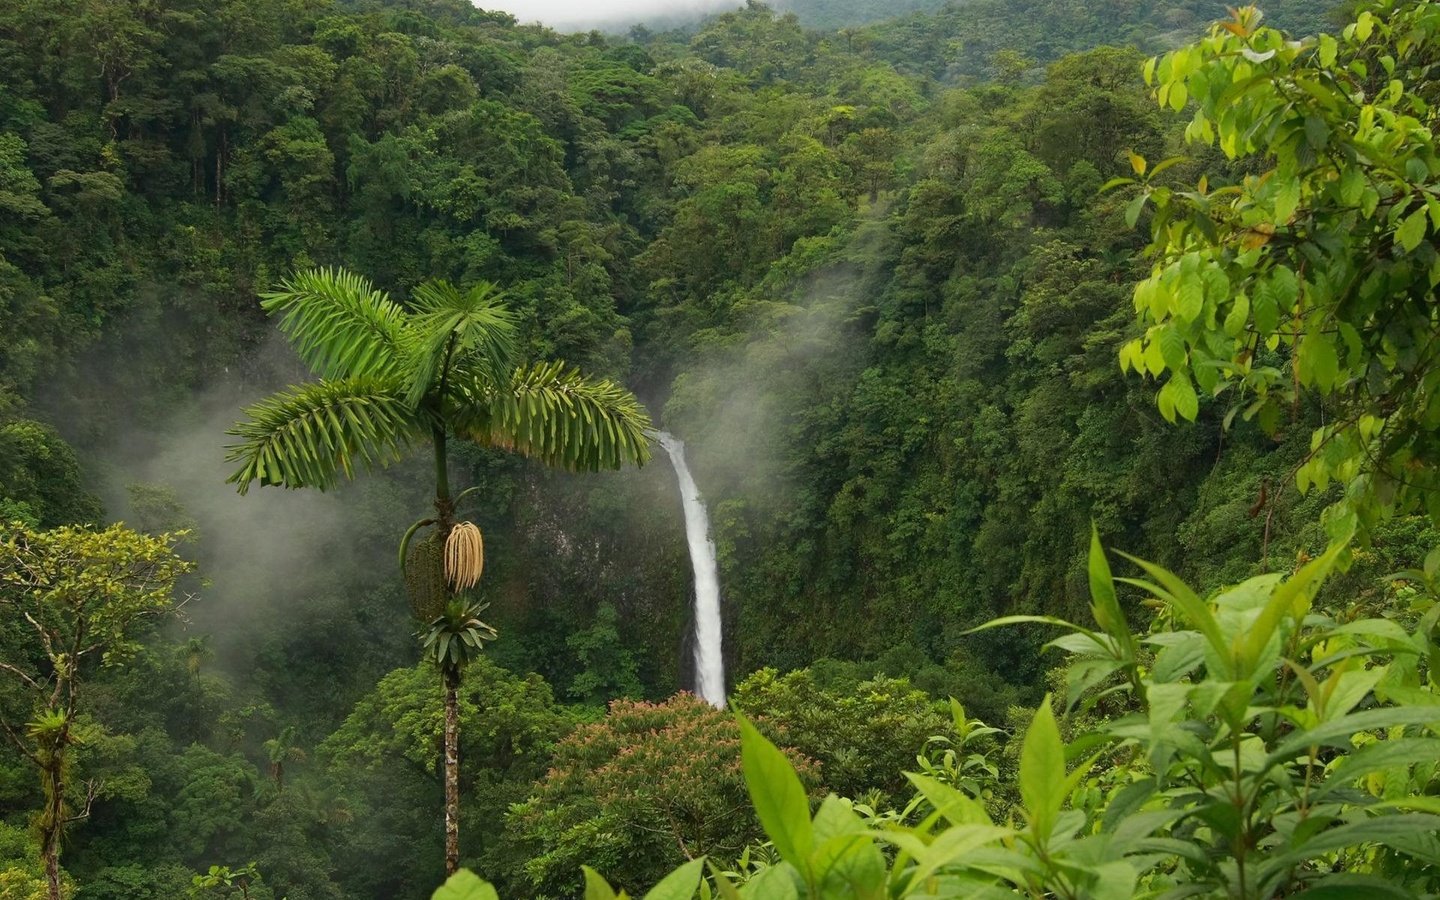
(570, 14)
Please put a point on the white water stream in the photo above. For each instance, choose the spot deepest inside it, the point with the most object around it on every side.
(709, 663)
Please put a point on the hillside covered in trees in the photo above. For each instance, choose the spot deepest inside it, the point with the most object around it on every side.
(931, 300)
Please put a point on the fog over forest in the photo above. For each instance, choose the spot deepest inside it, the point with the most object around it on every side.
(567, 15)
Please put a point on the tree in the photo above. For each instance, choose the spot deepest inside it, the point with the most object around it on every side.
(386, 749)
(1311, 278)
(392, 377)
(864, 739)
(79, 598)
(278, 751)
(647, 788)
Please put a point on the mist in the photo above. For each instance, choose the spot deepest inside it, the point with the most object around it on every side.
(743, 410)
(270, 564)
(567, 15)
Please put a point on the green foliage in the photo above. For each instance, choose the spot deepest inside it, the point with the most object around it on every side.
(608, 669)
(40, 478)
(458, 636)
(864, 737)
(991, 39)
(465, 885)
(22, 872)
(1310, 276)
(883, 310)
(393, 377)
(223, 881)
(86, 593)
(1267, 749)
(385, 749)
(77, 600)
(637, 794)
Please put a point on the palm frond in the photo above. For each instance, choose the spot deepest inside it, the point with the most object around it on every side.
(473, 327)
(339, 324)
(554, 414)
(309, 436)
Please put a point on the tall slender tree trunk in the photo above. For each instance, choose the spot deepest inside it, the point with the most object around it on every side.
(452, 770)
(52, 820)
(445, 515)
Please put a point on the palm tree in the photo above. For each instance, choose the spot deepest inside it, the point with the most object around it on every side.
(393, 377)
(279, 750)
(194, 652)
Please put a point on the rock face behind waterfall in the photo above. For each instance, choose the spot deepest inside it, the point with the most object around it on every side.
(709, 661)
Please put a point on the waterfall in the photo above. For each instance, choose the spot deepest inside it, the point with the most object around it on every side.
(709, 664)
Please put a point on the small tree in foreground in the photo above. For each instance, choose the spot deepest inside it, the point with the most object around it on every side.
(1312, 279)
(393, 377)
(72, 600)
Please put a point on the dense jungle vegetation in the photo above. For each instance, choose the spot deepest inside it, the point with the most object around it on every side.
(945, 306)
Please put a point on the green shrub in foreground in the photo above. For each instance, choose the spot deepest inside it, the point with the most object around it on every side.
(1263, 747)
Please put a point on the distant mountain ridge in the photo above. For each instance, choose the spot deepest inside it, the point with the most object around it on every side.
(835, 14)
(980, 38)
(1043, 29)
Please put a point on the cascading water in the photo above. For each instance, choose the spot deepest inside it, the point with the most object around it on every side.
(709, 663)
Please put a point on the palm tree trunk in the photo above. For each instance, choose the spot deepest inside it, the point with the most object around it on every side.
(52, 821)
(445, 516)
(444, 506)
(452, 770)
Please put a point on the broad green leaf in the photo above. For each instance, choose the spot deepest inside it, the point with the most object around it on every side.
(1042, 771)
(1345, 690)
(1165, 400)
(835, 817)
(679, 884)
(1154, 357)
(1412, 231)
(1378, 757)
(1319, 356)
(778, 795)
(596, 887)
(1238, 316)
(1179, 95)
(1290, 599)
(465, 885)
(1104, 604)
(1352, 186)
(1172, 346)
(954, 806)
(850, 865)
(1338, 732)
(724, 887)
(1265, 307)
(774, 883)
(1182, 392)
(1421, 802)
(1384, 830)
(1286, 287)
(1134, 208)
(1287, 199)
(1190, 300)
(1179, 595)
(1112, 881)
(951, 845)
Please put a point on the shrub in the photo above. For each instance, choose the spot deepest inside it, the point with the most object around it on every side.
(644, 790)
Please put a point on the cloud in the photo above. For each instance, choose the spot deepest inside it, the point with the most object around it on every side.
(568, 15)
